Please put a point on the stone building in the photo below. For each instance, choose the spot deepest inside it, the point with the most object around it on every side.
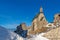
(57, 19)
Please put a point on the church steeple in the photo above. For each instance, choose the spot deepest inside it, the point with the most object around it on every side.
(41, 9)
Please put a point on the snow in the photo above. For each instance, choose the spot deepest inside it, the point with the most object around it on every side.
(38, 37)
(8, 35)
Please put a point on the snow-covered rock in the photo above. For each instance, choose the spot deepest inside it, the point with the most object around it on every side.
(8, 35)
(38, 37)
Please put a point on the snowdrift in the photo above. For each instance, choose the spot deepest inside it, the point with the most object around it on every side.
(8, 35)
(38, 37)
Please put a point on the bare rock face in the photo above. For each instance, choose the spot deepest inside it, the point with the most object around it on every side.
(53, 34)
(38, 22)
(22, 30)
(43, 29)
(57, 20)
(24, 27)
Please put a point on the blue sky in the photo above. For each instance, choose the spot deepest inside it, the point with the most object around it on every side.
(14, 12)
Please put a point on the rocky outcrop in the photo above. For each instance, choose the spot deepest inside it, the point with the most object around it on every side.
(53, 34)
(57, 19)
(21, 30)
(23, 25)
(43, 29)
(39, 22)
